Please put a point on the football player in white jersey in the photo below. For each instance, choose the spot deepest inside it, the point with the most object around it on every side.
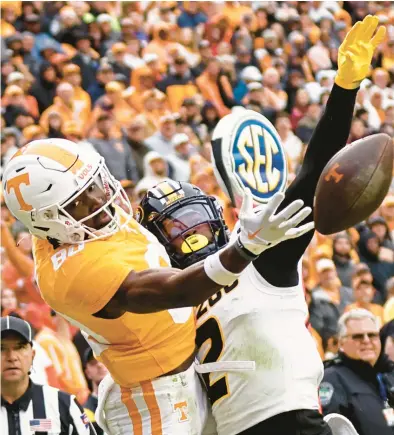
(259, 362)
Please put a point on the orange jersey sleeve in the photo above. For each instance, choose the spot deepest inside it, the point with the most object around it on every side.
(79, 280)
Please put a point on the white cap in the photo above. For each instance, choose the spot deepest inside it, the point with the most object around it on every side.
(226, 58)
(150, 57)
(180, 138)
(104, 18)
(325, 74)
(270, 34)
(14, 76)
(314, 91)
(64, 86)
(324, 264)
(254, 86)
(251, 73)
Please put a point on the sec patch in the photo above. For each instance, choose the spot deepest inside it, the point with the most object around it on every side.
(326, 391)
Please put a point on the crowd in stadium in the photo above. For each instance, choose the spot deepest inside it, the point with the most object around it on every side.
(144, 84)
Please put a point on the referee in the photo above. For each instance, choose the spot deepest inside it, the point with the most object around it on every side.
(28, 408)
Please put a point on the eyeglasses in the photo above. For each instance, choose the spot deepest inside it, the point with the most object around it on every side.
(360, 337)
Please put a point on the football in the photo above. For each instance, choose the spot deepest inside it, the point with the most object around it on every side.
(354, 183)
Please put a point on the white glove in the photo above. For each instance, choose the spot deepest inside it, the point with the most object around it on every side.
(261, 228)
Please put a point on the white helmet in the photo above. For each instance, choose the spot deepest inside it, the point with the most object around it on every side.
(46, 175)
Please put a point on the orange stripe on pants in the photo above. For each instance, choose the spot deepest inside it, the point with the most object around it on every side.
(153, 407)
(134, 414)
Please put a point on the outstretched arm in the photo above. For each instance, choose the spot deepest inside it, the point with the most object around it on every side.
(160, 289)
(330, 135)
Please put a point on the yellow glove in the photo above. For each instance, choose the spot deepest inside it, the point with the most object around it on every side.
(356, 51)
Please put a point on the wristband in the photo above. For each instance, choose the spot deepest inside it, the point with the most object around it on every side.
(244, 252)
(216, 271)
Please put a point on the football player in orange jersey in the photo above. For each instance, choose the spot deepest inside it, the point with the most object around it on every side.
(98, 268)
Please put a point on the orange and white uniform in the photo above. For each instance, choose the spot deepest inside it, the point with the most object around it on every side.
(79, 280)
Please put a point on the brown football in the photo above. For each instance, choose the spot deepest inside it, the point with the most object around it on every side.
(354, 183)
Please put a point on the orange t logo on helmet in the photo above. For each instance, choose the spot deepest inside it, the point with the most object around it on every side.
(14, 184)
(67, 159)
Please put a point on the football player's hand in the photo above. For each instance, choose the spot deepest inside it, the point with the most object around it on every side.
(356, 51)
(261, 228)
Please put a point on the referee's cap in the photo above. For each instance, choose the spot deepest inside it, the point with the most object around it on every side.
(14, 324)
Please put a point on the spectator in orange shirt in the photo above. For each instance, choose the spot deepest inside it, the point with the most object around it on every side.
(64, 356)
(72, 75)
(389, 305)
(18, 270)
(64, 103)
(14, 98)
(207, 82)
(142, 79)
(363, 292)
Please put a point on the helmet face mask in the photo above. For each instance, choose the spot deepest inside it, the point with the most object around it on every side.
(57, 173)
(191, 227)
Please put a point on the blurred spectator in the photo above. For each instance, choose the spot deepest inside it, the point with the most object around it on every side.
(142, 80)
(291, 143)
(210, 117)
(358, 384)
(190, 114)
(191, 16)
(55, 126)
(104, 75)
(387, 339)
(72, 74)
(117, 156)
(389, 305)
(121, 110)
(179, 158)
(308, 122)
(342, 258)
(178, 84)
(66, 105)
(358, 130)
(381, 270)
(44, 88)
(9, 142)
(86, 58)
(64, 356)
(14, 99)
(161, 141)
(118, 52)
(379, 226)
(300, 107)
(207, 83)
(133, 136)
(205, 53)
(363, 292)
(95, 372)
(329, 299)
(156, 170)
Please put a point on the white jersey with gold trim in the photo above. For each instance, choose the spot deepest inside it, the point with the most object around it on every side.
(256, 354)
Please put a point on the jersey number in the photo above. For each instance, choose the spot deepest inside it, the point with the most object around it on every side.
(61, 256)
(210, 330)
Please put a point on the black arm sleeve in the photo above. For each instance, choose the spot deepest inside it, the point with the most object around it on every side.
(278, 265)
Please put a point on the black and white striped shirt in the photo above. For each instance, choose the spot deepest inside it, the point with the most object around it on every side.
(45, 410)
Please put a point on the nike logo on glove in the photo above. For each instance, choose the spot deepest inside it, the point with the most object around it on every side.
(252, 236)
